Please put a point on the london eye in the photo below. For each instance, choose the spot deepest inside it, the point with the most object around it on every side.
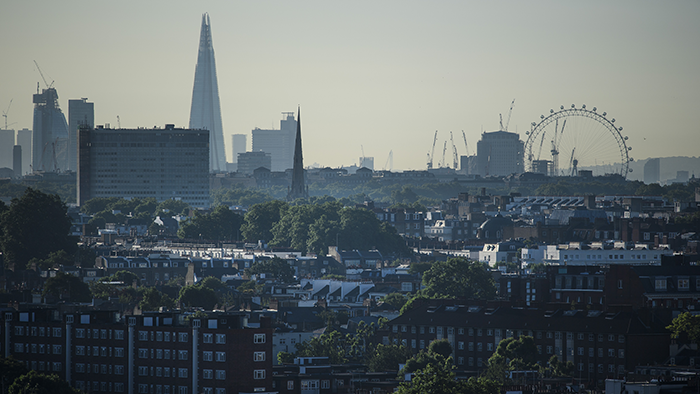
(570, 140)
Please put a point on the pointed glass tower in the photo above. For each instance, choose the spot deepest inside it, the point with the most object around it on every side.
(205, 112)
(298, 189)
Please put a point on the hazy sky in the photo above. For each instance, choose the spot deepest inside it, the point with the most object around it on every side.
(382, 74)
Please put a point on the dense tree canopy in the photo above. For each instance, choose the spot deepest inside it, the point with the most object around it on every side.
(260, 219)
(67, 286)
(10, 369)
(459, 278)
(274, 268)
(34, 382)
(686, 326)
(34, 226)
(222, 224)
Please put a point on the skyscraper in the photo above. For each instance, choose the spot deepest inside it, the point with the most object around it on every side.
(7, 141)
(278, 143)
(205, 112)
(80, 112)
(499, 153)
(50, 145)
(24, 139)
(652, 170)
(298, 189)
(238, 144)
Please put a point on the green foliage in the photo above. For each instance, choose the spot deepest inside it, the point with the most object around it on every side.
(441, 347)
(396, 300)
(513, 355)
(66, 285)
(10, 369)
(221, 224)
(308, 226)
(212, 283)
(459, 278)
(55, 259)
(250, 287)
(198, 296)
(329, 344)
(239, 196)
(388, 357)
(34, 226)
(153, 300)
(412, 302)
(686, 325)
(127, 277)
(419, 267)
(559, 368)
(333, 276)
(34, 382)
(285, 358)
(172, 207)
(260, 219)
(274, 268)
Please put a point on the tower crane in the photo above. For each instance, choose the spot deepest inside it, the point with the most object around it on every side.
(455, 157)
(573, 163)
(555, 147)
(42, 76)
(432, 152)
(444, 150)
(4, 114)
(389, 165)
(466, 146)
(500, 116)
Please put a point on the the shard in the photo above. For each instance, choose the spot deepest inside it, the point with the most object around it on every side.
(205, 112)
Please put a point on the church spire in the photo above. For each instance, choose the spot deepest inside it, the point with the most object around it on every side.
(298, 190)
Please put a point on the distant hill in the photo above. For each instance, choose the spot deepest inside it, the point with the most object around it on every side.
(668, 168)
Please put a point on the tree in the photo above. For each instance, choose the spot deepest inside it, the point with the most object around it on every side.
(396, 300)
(172, 207)
(153, 300)
(285, 357)
(34, 226)
(213, 283)
(198, 296)
(37, 383)
(221, 224)
(459, 278)
(328, 344)
(419, 267)
(436, 378)
(559, 368)
(388, 357)
(441, 347)
(685, 325)
(66, 285)
(513, 355)
(258, 221)
(55, 259)
(124, 276)
(275, 268)
(10, 369)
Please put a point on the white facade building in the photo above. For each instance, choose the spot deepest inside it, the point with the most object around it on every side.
(499, 153)
(278, 143)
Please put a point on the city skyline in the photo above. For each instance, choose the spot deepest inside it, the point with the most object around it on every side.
(381, 76)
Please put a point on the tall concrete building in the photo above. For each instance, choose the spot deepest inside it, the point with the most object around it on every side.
(24, 139)
(17, 160)
(499, 153)
(238, 145)
(652, 171)
(205, 112)
(278, 143)
(161, 163)
(50, 143)
(251, 161)
(7, 142)
(80, 112)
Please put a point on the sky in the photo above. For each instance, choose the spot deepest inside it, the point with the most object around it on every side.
(379, 76)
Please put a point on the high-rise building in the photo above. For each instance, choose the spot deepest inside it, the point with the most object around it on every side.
(7, 141)
(205, 112)
(499, 153)
(80, 112)
(238, 145)
(17, 160)
(298, 188)
(251, 161)
(24, 139)
(50, 144)
(652, 171)
(164, 164)
(278, 143)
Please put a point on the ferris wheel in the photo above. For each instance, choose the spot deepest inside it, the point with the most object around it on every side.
(573, 139)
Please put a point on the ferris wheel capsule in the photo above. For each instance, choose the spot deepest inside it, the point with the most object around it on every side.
(626, 137)
(551, 111)
(595, 109)
(613, 120)
(583, 106)
(541, 116)
(620, 128)
(573, 105)
(561, 107)
(605, 113)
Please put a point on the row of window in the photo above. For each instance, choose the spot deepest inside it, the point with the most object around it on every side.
(107, 387)
(164, 354)
(103, 369)
(164, 336)
(38, 348)
(99, 351)
(44, 366)
(39, 331)
(99, 334)
(164, 372)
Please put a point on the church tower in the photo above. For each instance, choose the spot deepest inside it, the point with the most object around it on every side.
(298, 189)
(205, 112)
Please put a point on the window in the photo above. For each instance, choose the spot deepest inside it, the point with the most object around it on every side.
(580, 351)
(119, 334)
(159, 336)
(259, 338)
(621, 353)
(182, 372)
(56, 332)
(471, 346)
(143, 335)
(479, 347)
(660, 284)
(220, 374)
(221, 356)
(460, 331)
(549, 350)
(422, 328)
(290, 385)
(489, 346)
(208, 374)
(80, 350)
(182, 337)
(80, 368)
(683, 284)
(118, 352)
(143, 353)
(208, 338)
(182, 354)
(611, 337)
(325, 384)
(207, 356)
(431, 330)
(460, 345)
(143, 371)
(80, 333)
(259, 356)
(221, 338)
(611, 352)
(119, 370)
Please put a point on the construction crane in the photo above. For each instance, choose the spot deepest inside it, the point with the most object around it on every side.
(573, 163)
(455, 157)
(500, 116)
(444, 150)
(389, 165)
(432, 152)
(555, 147)
(42, 76)
(466, 146)
(119, 125)
(4, 114)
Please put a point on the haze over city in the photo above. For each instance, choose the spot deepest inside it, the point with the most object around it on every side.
(384, 76)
